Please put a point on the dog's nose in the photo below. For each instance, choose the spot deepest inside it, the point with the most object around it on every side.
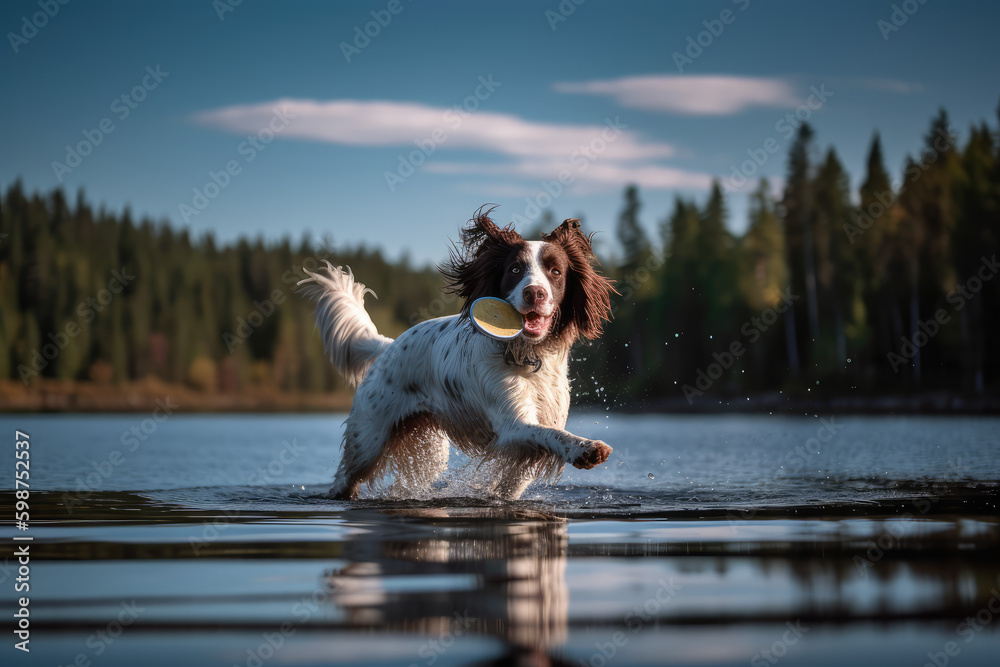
(533, 294)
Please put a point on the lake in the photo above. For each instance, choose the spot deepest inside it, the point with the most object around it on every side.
(704, 540)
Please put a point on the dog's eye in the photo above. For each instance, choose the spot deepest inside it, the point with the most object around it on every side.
(556, 272)
(515, 269)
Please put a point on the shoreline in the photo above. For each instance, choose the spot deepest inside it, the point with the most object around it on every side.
(929, 403)
(60, 396)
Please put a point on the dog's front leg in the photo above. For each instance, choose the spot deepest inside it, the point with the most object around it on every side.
(513, 416)
(577, 451)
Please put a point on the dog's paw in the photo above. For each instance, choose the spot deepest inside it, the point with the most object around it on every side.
(594, 454)
(343, 492)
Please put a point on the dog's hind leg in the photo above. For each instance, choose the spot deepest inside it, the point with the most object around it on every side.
(511, 481)
(413, 448)
(364, 457)
(420, 451)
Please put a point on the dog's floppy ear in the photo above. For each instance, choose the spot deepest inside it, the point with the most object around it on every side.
(481, 231)
(471, 270)
(569, 232)
(588, 294)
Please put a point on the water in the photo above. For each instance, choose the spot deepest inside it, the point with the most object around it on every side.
(711, 540)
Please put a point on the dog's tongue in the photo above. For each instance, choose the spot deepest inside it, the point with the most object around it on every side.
(534, 322)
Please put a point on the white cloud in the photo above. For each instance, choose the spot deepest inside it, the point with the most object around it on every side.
(598, 156)
(597, 175)
(691, 95)
(383, 123)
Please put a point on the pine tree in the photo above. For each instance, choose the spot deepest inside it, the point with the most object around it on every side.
(976, 194)
(763, 281)
(716, 274)
(798, 206)
(929, 222)
(631, 235)
(868, 235)
(839, 273)
(681, 307)
(763, 270)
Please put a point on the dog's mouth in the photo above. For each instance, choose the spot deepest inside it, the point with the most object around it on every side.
(536, 325)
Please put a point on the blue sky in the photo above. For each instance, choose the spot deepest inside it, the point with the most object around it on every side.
(503, 96)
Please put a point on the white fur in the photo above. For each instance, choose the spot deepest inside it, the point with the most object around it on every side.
(458, 383)
(534, 275)
(349, 335)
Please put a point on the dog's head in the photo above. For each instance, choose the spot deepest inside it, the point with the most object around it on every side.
(552, 282)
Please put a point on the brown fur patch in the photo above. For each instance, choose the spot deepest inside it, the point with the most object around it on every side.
(587, 304)
(474, 269)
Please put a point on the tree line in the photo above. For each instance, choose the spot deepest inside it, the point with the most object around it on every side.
(93, 296)
(889, 289)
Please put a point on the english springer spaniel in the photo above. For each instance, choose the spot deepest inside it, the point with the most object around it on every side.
(504, 403)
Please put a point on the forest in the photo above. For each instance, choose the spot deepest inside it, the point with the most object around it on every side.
(889, 290)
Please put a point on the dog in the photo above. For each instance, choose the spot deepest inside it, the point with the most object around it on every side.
(503, 403)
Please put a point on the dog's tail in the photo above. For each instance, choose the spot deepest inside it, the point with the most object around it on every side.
(349, 335)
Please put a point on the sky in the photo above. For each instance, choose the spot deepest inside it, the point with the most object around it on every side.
(389, 123)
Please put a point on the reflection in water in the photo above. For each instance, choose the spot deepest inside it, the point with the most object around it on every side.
(449, 580)
(882, 548)
(445, 572)
(458, 571)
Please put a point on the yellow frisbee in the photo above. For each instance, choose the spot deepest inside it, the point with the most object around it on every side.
(496, 318)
